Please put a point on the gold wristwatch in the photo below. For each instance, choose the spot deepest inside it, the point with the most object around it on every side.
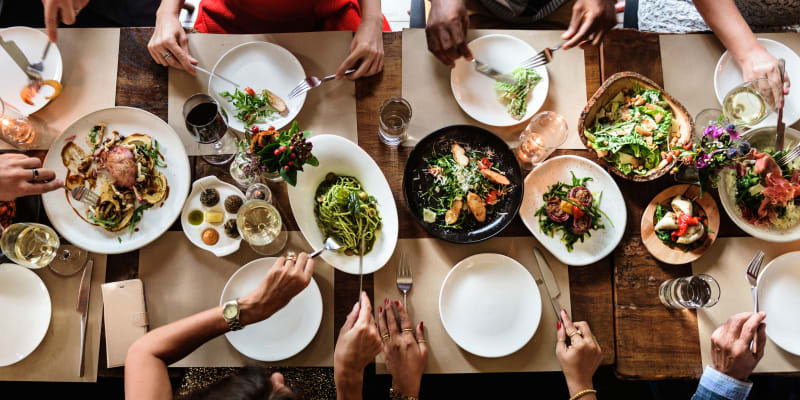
(230, 312)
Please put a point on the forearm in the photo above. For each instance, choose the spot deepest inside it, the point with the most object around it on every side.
(576, 387)
(172, 7)
(724, 18)
(370, 11)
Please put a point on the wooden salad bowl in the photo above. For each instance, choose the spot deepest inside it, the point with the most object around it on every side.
(676, 256)
(613, 85)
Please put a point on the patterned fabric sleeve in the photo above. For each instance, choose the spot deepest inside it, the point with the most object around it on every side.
(715, 385)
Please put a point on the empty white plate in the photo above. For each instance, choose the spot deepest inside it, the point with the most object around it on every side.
(779, 297)
(259, 65)
(475, 93)
(31, 42)
(25, 312)
(557, 169)
(728, 75)
(285, 333)
(490, 305)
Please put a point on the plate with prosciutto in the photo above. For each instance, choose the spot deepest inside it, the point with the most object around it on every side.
(761, 196)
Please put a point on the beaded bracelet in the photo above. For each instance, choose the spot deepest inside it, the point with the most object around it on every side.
(582, 393)
(393, 395)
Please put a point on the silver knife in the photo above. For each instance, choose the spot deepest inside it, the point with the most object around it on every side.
(781, 127)
(83, 306)
(19, 58)
(493, 73)
(550, 285)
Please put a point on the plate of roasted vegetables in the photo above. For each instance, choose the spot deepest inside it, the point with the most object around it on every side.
(574, 208)
(680, 224)
(462, 184)
(136, 165)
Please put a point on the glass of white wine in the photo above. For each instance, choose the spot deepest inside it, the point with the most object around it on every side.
(749, 103)
(261, 225)
(37, 246)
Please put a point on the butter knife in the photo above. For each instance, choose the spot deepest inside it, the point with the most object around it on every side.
(545, 275)
(19, 58)
(493, 73)
(781, 127)
(83, 307)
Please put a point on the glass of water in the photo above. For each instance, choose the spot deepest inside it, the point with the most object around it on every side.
(696, 291)
(395, 115)
(546, 131)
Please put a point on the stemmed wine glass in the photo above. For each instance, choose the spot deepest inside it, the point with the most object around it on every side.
(260, 223)
(36, 246)
(207, 123)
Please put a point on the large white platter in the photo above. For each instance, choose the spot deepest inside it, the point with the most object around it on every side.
(490, 305)
(343, 157)
(31, 42)
(558, 169)
(156, 220)
(285, 333)
(259, 65)
(25, 311)
(779, 297)
(475, 93)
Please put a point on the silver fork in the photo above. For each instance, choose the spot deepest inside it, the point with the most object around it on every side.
(39, 66)
(790, 156)
(310, 82)
(404, 280)
(84, 195)
(543, 58)
(752, 278)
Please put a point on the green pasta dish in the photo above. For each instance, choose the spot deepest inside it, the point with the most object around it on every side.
(515, 97)
(345, 212)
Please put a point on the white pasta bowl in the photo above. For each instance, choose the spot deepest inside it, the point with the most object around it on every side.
(342, 157)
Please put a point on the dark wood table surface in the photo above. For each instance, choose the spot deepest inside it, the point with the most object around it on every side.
(617, 295)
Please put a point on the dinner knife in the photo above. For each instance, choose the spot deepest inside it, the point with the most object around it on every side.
(780, 129)
(545, 275)
(493, 73)
(360, 270)
(83, 307)
(19, 58)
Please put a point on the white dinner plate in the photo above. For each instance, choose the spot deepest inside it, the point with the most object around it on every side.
(285, 333)
(728, 75)
(343, 157)
(25, 311)
(259, 65)
(779, 297)
(225, 245)
(475, 93)
(490, 305)
(558, 169)
(31, 42)
(155, 221)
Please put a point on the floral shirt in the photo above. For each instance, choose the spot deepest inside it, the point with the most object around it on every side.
(680, 16)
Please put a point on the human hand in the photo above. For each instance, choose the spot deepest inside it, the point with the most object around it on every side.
(357, 346)
(170, 39)
(285, 279)
(758, 63)
(403, 347)
(591, 19)
(66, 10)
(17, 177)
(580, 359)
(446, 31)
(730, 345)
(366, 51)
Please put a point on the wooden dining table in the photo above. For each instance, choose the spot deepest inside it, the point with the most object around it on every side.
(618, 295)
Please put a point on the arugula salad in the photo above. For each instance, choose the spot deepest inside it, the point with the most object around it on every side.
(635, 132)
(254, 107)
(570, 208)
(515, 97)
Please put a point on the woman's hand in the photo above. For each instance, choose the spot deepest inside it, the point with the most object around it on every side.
(17, 177)
(357, 346)
(169, 45)
(285, 279)
(366, 51)
(591, 19)
(758, 63)
(446, 31)
(580, 359)
(404, 348)
(65, 10)
(730, 345)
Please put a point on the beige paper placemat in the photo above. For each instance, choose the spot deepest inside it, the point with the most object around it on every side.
(688, 63)
(431, 260)
(726, 262)
(57, 357)
(330, 108)
(426, 85)
(89, 57)
(181, 279)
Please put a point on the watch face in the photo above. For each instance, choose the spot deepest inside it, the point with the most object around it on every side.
(229, 311)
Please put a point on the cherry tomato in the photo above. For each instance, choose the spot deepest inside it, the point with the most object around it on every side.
(491, 198)
(250, 91)
(484, 163)
(577, 212)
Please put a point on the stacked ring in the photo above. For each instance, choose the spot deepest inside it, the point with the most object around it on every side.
(385, 336)
(421, 341)
(408, 330)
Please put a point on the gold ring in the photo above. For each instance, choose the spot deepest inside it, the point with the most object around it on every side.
(577, 332)
(291, 257)
(386, 336)
(561, 340)
(408, 330)
(166, 55)
(421, 341)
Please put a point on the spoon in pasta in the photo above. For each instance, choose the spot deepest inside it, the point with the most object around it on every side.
(330, 244)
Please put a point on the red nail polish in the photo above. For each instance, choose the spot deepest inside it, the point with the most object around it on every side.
(380, 309)
(386, 301)
(558, 325)
(397, 303)
(420, 325)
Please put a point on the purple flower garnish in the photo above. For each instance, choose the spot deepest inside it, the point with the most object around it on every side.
(702, 161)
(713, 131)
